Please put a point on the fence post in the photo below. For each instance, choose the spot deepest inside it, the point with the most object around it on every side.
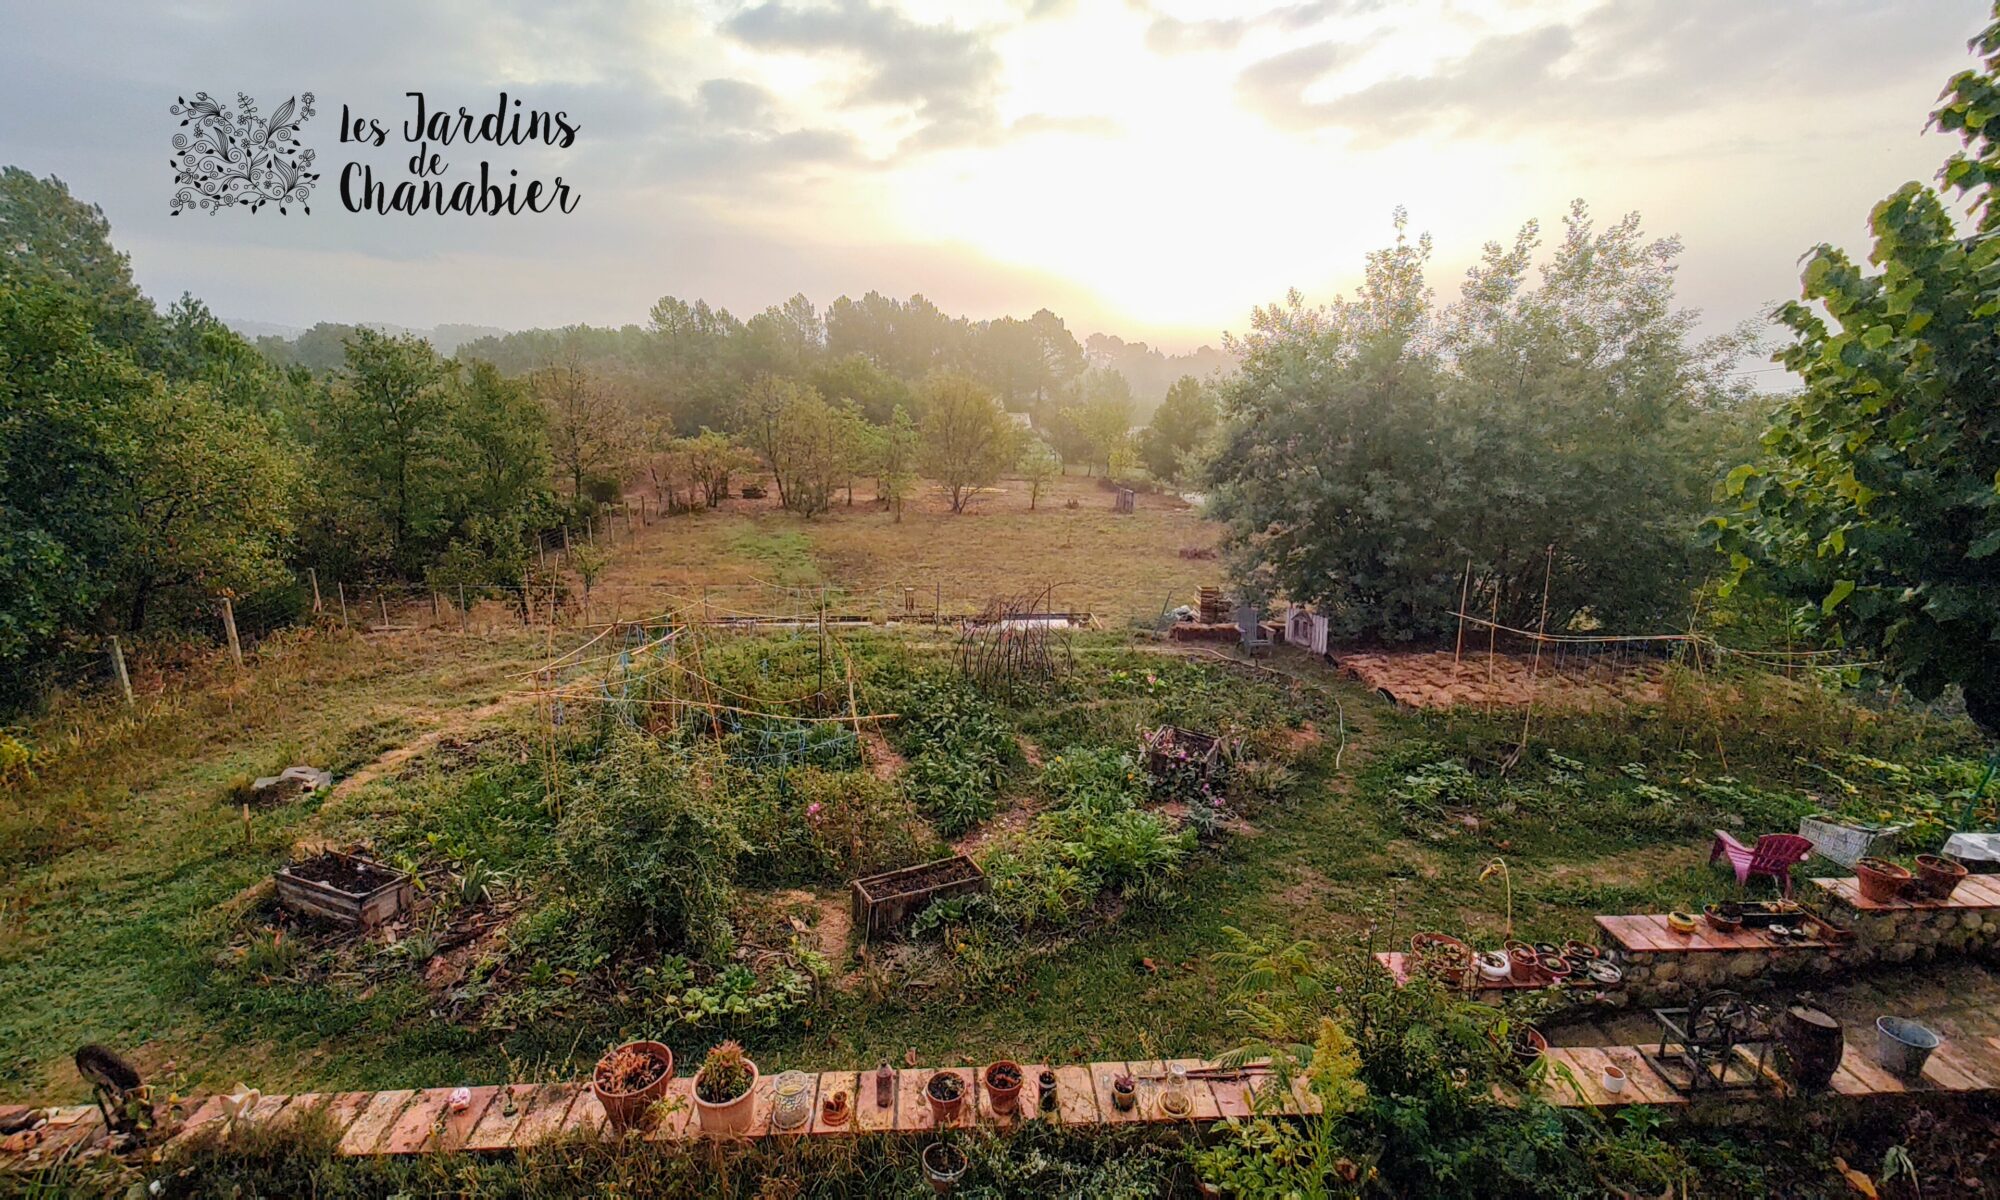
(317, 606)
(229, 627)
(590, 529)
(382, 605)
(462, 614)
(343, 602)
(565, 538)
(118, 669)
(434, 606)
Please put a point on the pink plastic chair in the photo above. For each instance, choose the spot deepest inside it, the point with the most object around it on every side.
(1775, 854)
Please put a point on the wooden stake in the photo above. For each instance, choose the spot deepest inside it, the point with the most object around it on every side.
(317, 606)
(118, 669)
(229, 627)
(1464, 593)
(462, 614)
(382, 603)
(246, 826)
(343, 602)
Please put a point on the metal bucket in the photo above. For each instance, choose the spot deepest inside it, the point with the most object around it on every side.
(1903, 1045)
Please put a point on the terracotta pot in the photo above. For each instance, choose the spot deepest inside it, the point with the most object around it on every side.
(944, 1111)
(1580, 951)
(835, 1109)
(1938, 877)
(944, 1165)
(1124, 1093)
(627, 1110)
(1529, 1044)
(727, 1117)
(1006, 1096)
(1557, 969)
(1522, 961)
(1813, 1042)
(1441, 956)
(1880, 880)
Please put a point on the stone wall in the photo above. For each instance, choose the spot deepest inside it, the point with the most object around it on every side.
(1901, 935)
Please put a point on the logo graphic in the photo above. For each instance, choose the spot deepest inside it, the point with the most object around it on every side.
(228, 159)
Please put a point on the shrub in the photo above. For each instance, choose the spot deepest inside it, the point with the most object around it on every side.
(1099, 780)
(725, 1074)
(645, 851)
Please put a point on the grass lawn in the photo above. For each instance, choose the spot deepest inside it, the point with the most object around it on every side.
(133, 913)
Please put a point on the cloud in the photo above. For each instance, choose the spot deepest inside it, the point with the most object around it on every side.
(1080, 126)
(1621, 60)
(1170, 35)
(735, 104)
(946, 76)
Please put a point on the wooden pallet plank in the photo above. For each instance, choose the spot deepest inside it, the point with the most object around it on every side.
(546, 1113)
(870, 1114)
(458, 1126)
(1643, 1085)
(1200, 1095)
(372, 1124)
(496, 1127)
(419, 1120)
(830, 1082)
(586, 1119)
(1076, 1096)
(1108, 1113)
(1877, 1081)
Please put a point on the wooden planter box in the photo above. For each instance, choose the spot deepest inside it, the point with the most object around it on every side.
(883, 902)
(1845, 842)
(1202, 750)
(355, 909)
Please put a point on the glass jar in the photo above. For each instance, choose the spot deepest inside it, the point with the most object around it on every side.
(791, 1103)
(1175, 1099)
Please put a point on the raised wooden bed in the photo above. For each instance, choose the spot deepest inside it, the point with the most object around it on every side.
(1171, 750)
(883, 902)
(345, 889)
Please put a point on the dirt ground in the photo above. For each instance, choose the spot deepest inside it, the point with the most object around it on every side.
(1441, 679)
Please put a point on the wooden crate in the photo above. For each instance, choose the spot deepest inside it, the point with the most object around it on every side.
(883, 902)
(356, 910)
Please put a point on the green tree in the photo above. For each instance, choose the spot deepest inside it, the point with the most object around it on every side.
(387, 442)
(1877, 505)
(209, 501)
(68, 437)
(1376, 448)
(49, 236)
(1039, 463)
(1102, 414)
(967, 437)
(897, 464)
(1178, 426)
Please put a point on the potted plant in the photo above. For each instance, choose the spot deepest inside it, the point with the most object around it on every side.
(1440, 956)
(1045, 1084)
(1522, 961)
(1722, 921)
(1124, 1092)
(629, 1079)
(723, 1089)
(1493, 965)
(1880, 880)
(1557, 968)
(1003, 1083)
(944, 1164)
(1937, 876)
(1612, 1077)
(946, 1092)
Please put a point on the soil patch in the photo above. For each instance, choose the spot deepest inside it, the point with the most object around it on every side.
(349, 875)
(883, 761)
(1439, 679)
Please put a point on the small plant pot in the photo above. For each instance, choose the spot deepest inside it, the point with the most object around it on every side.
(946, 1092)
(834, 1110)
(1440, 956)
(1720, 921)
(1045, 1086)
(1124, 1093)
(1557, 969)
(1493, 966)
(1938, 877)
(1529, 1044)
(1577, 951)
(727, 1117)
(1523, 962)
(944, 1166)
(1612, 1078)
(1904, 1046)
(1681, 923)
(1003, 1083)
(627, 1108)
(1880, 880)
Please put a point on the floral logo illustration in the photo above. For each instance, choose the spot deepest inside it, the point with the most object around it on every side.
(229, 159)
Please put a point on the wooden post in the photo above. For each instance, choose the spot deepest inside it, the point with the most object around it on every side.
(937, 605)
(463, 615)
(541, 552)
(229, 627)
(590, 530)
(118, 669)
(628, 520)
(527, 598)
(382, 603)
(343, 602)
(565, 539)
(434, 606)
(317, 606)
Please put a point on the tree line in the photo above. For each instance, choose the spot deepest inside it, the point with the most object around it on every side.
(153, 461)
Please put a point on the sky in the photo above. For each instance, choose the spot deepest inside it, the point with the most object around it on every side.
(1150, 168)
